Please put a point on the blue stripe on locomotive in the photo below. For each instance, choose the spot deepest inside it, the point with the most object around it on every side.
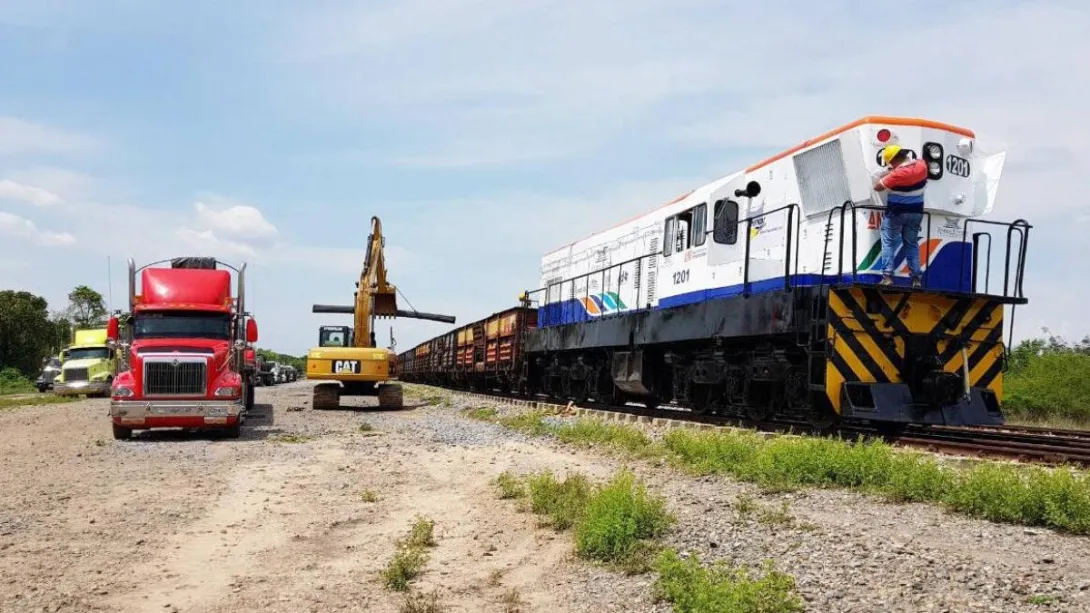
(945, 273)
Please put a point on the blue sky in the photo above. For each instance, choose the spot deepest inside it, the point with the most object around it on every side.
(485, 133)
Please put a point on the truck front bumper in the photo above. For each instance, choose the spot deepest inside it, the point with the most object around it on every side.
(78, 388)
(175, 413)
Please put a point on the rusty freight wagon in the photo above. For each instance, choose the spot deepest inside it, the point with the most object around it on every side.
(484, 355)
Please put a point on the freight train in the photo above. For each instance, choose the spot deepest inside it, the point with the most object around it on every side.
(758, 296)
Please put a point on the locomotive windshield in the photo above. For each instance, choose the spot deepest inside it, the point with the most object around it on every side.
(182, 325)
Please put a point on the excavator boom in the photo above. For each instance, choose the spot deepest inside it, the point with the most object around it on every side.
(362, 368)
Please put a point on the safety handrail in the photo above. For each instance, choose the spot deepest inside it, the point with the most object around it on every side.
(793, 228)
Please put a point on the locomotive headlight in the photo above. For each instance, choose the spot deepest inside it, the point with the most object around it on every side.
(934, 152)
(934, 168)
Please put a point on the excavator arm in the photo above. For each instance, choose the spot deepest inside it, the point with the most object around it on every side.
(375, 296)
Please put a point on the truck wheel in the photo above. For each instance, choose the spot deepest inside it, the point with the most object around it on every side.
(233, 431)
(121, 434)
(326, 396)
(389, 396)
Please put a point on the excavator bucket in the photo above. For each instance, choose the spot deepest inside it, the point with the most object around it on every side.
(385, 304)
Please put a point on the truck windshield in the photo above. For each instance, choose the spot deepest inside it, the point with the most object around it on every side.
(182, 325)
(89, 353)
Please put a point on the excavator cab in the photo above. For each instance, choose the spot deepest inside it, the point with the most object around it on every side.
(335, 336)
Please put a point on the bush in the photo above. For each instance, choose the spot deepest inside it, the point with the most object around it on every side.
(1049, 387)
(618, 519)
(13, 382)
(561, 502)
(693, 588)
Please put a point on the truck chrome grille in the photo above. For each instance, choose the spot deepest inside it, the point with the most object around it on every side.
(175, 376)
(71, 375)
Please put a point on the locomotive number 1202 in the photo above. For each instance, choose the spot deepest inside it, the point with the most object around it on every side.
(681, 276)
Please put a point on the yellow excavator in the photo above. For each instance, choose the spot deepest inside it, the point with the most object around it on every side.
(347, 360)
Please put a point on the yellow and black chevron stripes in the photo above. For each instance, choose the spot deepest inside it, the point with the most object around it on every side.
(870, 331)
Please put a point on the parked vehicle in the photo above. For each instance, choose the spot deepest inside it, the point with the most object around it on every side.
(88, 365)
(51, 369)
(184, 349)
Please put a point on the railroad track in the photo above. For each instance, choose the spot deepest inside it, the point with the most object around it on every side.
(1035, 445)
(1021, 443)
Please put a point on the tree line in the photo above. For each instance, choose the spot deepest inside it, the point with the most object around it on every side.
(30, 332)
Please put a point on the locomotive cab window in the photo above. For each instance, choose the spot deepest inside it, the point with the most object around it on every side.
(725, 230)
(685, 230)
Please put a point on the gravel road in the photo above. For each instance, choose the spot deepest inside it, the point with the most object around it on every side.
(275, 522)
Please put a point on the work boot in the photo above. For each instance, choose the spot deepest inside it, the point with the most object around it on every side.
(886, 280)
(916, 282)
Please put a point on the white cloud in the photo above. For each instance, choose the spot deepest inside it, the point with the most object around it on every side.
(230, 218)
(13, 225)
(18, 137)
(30, 194)
(206, 241)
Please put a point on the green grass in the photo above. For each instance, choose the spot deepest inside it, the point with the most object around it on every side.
(510, 486)
(422, 533)
(405, 566)
(411, 556)
(18, 401)
(482, 413)
(618, 520)
(369, 496)
(1020, 494)
(591, 433)
(694, 588)
(1029, 495)
(532, 423)
(617, 523)
(620, 524)
(559, 502)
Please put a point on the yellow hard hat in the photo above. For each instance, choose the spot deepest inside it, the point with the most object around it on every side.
(889, 152)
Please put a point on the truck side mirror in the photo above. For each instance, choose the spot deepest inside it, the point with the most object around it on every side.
(111, 329)
(251, 331)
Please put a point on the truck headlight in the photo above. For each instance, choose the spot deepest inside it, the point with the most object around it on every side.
(122, 392)
(226, 392)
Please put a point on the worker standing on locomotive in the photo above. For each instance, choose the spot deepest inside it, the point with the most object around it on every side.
(904, 210)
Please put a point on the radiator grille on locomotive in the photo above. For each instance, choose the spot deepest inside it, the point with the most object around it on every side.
(75, 374)
(173, 377)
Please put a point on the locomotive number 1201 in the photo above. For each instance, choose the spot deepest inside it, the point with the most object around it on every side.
(681, 276)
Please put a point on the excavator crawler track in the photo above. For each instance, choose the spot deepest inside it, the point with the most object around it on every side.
(390, 396)
(327, 396)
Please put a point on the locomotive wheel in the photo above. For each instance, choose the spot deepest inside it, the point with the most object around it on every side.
(390, 396)
(700, 399)
(821, 415)
(326, 396)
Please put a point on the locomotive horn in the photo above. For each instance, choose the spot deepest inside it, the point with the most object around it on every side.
(752, 189)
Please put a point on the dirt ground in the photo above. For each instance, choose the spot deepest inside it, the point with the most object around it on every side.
(275, 522)
(272, 522)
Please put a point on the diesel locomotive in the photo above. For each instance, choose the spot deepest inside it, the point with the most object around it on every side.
(759, 295)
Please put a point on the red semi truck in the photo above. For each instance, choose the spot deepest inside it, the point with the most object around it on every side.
(187, 349)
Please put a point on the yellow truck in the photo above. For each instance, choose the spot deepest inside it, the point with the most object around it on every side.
(88, 365)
